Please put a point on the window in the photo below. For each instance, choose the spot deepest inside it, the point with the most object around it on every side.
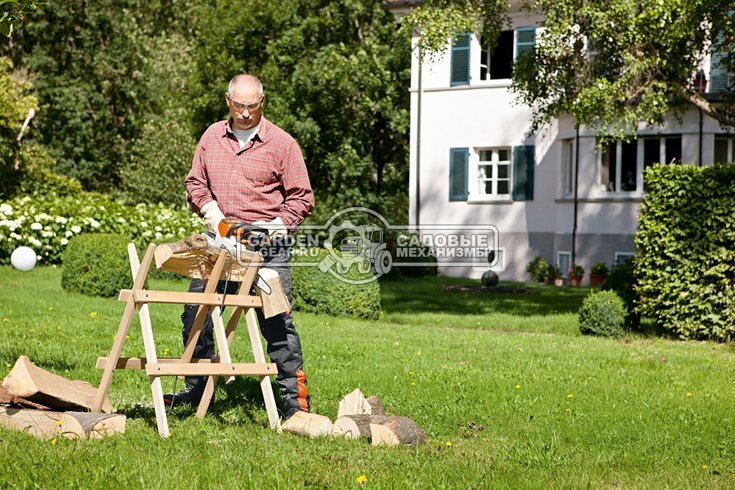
(564, 262)
(496, 62)
(567, 168)
(622, 258)
(621, 162)
(493, 173)
(724, 149)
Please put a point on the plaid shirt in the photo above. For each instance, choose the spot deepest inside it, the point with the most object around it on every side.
(264, 180)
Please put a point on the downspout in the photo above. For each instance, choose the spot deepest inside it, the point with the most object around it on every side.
(418, 144)
(576, 201)
(699, 162)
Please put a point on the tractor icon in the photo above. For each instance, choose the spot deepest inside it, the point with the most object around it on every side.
(363, 246)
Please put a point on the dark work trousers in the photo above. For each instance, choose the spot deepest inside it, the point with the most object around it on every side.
(284, 347)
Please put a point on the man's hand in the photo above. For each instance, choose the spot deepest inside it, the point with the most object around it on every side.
(275, 228)
(212, 216)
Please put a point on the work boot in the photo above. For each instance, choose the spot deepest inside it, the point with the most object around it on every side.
(191, 393)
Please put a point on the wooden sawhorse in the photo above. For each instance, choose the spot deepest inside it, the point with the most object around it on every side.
(209, 301)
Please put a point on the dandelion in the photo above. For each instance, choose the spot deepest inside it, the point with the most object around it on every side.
(704, 466)
(689, 394)
(50, 308)
(448, 443)
(127, 337)
(413, 383)
(418, 353)
(93, 314)
(169, 434)
(53, 441)
(58, 422)
(518, 387)
(361, 479)
(570, 396)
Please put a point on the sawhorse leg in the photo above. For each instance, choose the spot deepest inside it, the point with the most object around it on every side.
(122, 330)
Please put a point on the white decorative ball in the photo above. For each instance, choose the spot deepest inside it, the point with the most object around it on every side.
(23, 258)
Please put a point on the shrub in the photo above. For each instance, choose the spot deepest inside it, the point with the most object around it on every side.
(686, 264)
(321, 292)
(576, 270)
(621, 280)
(599, 268)
(46, 222)
(602, 313)
(96, 265)
(538, 268)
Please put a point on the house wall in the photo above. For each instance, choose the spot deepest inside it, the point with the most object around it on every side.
(487, 114)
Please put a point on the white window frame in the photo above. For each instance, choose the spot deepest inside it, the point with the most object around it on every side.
(639, 163)
(476, 191)
(567, 168)
(487, 47)
(620, 255)
(564, 270)
(730, 146)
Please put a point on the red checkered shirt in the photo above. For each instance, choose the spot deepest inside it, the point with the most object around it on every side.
(264, 180)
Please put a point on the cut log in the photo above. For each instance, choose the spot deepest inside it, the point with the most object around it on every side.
(308, 424)
(395, 431)
(275, 302)
(354, 404)
(376, 406)
(74, 425)
(8, 399)
(195, 256)
(28, 381)
(354, 426)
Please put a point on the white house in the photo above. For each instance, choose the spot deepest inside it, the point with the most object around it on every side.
(472, 161)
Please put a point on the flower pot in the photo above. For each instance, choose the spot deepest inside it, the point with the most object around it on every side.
(597, 279)
(558, 281)
(575, 280)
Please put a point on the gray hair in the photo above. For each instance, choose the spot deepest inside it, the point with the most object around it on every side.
(241, 77)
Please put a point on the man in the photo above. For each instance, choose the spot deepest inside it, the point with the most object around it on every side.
(249, 169)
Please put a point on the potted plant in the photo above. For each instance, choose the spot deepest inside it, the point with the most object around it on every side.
(598, 274)
(554, 276)
(575, 275)
(538, 268)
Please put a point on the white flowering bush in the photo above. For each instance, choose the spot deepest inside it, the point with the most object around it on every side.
(46, 222)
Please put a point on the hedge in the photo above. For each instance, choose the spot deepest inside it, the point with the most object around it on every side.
(97, 265)
(686, 263)
(321, 292)
(47, 221)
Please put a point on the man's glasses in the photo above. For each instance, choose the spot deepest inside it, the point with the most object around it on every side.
(241, 106)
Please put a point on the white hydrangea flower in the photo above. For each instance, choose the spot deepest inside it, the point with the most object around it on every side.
(61, 219)
(143, 224)
(36, 226)
(75, 229)
(6, 209)
(94, 223)
(35, 241)
(64, 241)
(47, 234)
(67, 233)
(15, 236)
(121, 220)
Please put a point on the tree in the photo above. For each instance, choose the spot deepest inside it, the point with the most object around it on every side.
(13, 13)
(612, 63)
(336, 77)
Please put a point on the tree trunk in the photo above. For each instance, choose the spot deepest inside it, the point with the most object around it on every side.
(395, 431)
(354, 426)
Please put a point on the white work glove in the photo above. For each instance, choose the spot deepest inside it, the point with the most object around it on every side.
(275, 228)
(212, 216)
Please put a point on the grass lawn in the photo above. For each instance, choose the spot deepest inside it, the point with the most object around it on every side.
(508, 392)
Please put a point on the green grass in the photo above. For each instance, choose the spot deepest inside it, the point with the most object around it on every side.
(524, 400)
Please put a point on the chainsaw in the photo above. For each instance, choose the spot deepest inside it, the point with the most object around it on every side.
(233, 234)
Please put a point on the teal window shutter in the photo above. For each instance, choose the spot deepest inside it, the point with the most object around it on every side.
(525, 39)
(523, 166)
(460, 61)
(719, 78)
(458, 161)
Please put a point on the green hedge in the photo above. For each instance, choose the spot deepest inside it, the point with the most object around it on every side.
(602, 313)
(47, 221)
(686, 263)
(321, 292)
(97, 265)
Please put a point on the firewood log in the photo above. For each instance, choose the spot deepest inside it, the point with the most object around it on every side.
(395, 431)
(354, 404)
(75, 425)
(354, 426)
(308, 424)
(31, 382)
(376, 406)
